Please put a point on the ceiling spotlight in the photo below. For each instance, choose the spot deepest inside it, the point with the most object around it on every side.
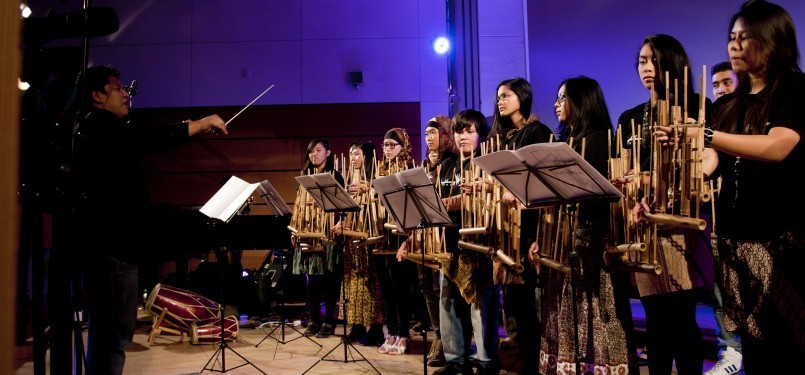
(441, 45)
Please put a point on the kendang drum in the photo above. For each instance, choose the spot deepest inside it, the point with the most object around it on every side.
(210, 333)
(177, 310)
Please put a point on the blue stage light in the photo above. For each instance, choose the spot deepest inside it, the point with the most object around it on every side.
(441, 45)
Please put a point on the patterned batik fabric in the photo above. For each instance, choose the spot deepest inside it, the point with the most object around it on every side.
(681, 254)
(602, 337)
(764, 287)
(361, 288)
(317, 263)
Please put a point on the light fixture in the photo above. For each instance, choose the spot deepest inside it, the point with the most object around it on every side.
(24, 10)
(23, 85)
(441, 45)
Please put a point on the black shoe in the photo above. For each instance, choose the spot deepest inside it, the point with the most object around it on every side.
(326, 330)
(452, 369)
(373, 337)
(312, 329)
(356, 332)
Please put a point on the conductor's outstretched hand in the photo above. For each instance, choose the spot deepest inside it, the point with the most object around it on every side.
(212, 123)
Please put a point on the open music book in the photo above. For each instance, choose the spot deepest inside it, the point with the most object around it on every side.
(228, 200)
(547, 173)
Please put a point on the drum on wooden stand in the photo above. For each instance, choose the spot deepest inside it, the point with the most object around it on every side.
(176, 310)
(210, 333)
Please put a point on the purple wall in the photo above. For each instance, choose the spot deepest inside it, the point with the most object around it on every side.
(601, 38)
(208, 53)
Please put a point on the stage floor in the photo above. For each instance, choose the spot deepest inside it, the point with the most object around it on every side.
(169, 357)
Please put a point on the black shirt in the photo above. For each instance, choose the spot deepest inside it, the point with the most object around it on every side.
(759, 199)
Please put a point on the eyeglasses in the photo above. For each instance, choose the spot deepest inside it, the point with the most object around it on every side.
(504, 97)
(390, 144)
(560, 98)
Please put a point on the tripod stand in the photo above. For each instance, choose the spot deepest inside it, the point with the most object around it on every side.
(223, 346)
(331, 197)
(412, 199)
(227, 202)
(549, 174)
(283, 321)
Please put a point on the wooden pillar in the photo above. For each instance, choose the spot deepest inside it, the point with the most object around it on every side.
(9, 164)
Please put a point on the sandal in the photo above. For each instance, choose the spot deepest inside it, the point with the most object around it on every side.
(400, 346)
(387, 345)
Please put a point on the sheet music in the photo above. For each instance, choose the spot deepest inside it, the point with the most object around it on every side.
(547, 173)
(228, 199)
(394, 192)
(329, 195)
(273, 199)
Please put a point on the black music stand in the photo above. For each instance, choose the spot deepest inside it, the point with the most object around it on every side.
(226, 202)
(283, 320)
(413, 201)
(547, 174)
(277, 205)
(330, 196)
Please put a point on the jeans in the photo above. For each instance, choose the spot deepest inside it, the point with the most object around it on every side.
(725, 338)
(459, 320)
(112, 314)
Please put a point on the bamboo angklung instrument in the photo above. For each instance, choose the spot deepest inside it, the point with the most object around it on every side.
(429, 241)
(555, 231)
(384, 220)
(309, 224)
(676, 188)
(486, 226)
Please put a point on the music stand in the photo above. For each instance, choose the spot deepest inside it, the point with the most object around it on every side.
(547, 174)
(226, 202)
(330, 196)
(414, 203)
(277, 205)
(283, 320)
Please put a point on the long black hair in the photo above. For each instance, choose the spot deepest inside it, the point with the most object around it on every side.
(772, 29)
(329, 166)
(369, 152)
(502, 125)
(669, 56)
(587, 108)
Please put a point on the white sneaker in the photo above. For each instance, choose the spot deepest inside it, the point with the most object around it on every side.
(729, 364)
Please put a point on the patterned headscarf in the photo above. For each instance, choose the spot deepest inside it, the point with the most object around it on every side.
(447, 143)
(403, 159)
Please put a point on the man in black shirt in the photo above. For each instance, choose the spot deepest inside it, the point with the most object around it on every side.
(110, 223)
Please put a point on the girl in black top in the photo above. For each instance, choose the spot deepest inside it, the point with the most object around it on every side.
(323, 270)
(603, 307)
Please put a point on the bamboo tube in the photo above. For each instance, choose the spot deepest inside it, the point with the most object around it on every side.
(488, 250)
(473, 231)
(352, 233)
(676, 221)
(655, 269)
(627, 247)
(501, 257)
(558, 266)
(314, 235)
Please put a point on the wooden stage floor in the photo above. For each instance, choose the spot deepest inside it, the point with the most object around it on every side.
(167, 356)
